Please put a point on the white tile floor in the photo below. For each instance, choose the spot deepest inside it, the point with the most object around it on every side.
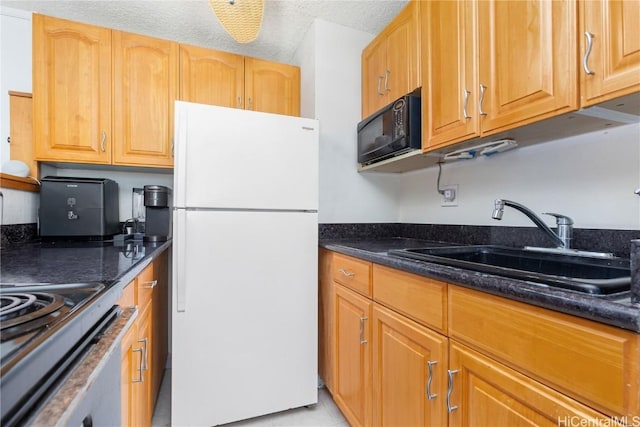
(323, 414)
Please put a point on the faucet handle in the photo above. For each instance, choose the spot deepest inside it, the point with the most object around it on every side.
(560, 219)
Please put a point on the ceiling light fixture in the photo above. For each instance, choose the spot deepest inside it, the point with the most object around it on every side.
(242, 19)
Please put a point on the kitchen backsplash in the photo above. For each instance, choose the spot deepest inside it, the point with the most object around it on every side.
(614, 241)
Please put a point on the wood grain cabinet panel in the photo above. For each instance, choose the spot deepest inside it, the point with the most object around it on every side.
(272, 87)
(71, 91)
(391, 62)
(409, 372)
(145, 87)
(486, 393)
(211, 77)
(593, 363)
(353, 273)
(610, 65)
(352, 359)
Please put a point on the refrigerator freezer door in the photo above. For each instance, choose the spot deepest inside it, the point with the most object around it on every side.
(245, 342)
(228, 158)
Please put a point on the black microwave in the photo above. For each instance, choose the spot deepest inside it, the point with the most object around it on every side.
(391, 131)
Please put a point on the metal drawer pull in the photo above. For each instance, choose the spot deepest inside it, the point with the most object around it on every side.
(450, 408)
(379, 84)
(482, 89)
(347, 273)
(386, 80)
(585, 58)
(430, 364)
(150, 285)
(103, 140)
(362, 340)
(140, 377)
(145, 363)
(466, 102)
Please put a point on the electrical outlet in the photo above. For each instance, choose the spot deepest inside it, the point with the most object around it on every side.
(450, 195)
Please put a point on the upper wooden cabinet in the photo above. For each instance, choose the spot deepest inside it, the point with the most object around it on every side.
(76, 69)
(71, 91)
(211, 77)
(145, 86)
(218, 78)
(610, 50)
(272, 87)
(493, 65)
(391, 62)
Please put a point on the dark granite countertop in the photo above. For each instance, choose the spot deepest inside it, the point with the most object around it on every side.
(615, 309)
(59, 262)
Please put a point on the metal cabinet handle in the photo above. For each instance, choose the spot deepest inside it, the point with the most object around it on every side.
(482, 89)
(362, 340)
(103, 140)
(145, 358)
(173, 147)
(465, 103)
(240, 102)
(347, 273)
(585, 58)
(379, 84)
(430, 396)
(250, 103)
(450, 408)
(386, 80)
(140, 377)
(150, 285)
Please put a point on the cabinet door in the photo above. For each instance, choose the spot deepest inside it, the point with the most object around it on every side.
(130, 377)
(374, 66)
(160, 324)
(409, 372)
(71, 91)
(352, 371)
(144, 88)
(145, 341)
(614, 58)
(211, 77)
(484, 392)
(271, 87)
(402, 73)
(21, 130)
(527, 61)
(325, 317)
(450, 73)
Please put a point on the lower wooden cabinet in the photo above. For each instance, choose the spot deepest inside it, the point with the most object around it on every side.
(352, 357)
(144, 346)
(470, 359)
(409, 372)
(487, 393)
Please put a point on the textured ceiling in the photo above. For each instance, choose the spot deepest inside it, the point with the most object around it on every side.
(284, 25)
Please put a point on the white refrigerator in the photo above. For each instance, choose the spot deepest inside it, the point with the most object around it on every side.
(245, 235)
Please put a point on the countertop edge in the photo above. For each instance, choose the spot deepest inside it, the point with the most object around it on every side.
(599, 309)
(65, 400)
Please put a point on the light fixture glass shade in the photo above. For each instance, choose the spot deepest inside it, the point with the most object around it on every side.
(242, 19)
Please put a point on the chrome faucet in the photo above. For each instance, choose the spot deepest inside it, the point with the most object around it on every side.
(562, 237)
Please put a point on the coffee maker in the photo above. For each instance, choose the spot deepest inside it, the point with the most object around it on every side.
(157, 213)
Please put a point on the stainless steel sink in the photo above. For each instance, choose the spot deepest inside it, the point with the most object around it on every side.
(578, 273)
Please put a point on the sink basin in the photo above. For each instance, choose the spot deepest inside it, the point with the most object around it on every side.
(578, 273)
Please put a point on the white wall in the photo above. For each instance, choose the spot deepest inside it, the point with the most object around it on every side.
(15, 65)
(345, 195)
(590, 178)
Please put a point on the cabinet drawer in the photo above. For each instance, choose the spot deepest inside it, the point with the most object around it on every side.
(353, 273)
(420, 298)
(146, 284)
(128, 297)
(594, 363)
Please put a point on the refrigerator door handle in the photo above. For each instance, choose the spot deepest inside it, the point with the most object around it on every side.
(180, 240)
